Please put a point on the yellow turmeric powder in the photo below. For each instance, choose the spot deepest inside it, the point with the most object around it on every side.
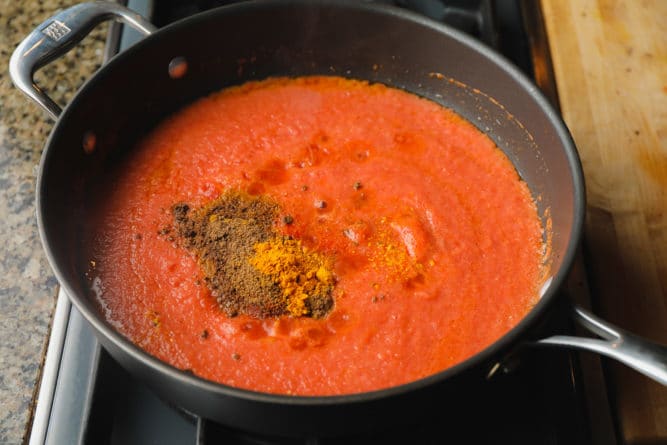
(390, 254)
(304, 276)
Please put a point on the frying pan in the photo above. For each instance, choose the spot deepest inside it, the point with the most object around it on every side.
(255, 40)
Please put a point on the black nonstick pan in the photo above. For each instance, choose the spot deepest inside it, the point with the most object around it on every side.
(175, 65)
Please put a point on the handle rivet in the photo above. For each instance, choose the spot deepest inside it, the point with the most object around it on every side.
(89, 142)
(178, 67)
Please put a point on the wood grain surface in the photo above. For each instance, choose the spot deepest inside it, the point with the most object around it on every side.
(610, 63)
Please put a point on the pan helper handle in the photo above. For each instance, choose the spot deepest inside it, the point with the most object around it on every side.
(56, 36)
(640, 354)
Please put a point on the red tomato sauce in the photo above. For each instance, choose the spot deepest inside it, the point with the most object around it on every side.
(437, 244)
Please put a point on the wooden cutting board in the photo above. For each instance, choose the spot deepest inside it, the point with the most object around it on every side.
(610, 63)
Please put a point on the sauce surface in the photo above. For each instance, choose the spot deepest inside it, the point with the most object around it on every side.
(437, 244)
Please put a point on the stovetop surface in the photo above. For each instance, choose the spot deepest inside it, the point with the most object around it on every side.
(539, 402)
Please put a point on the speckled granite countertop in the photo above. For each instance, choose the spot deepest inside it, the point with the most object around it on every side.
(27, 286)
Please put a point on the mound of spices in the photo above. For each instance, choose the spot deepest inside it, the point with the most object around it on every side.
(249, 267)
(303, 275)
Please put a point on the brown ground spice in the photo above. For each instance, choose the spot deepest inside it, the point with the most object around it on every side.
(224, 236)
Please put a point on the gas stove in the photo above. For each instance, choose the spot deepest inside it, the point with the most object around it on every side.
(86, 397)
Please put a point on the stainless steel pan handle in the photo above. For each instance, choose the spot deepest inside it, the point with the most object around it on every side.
(640, 354)
(57, 35)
